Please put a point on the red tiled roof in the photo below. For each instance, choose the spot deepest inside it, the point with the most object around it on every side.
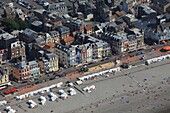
(68, 39)
(87, 27)
(46, 47)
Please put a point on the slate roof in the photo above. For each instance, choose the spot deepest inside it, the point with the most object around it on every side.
(39, 40)
(68, 39)
(30, 33)
(63, 29)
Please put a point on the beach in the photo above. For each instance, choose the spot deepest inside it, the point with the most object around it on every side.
(142, 89)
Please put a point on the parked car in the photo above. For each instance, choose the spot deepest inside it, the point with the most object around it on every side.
(132, 51)
(139, 53)
(106, 58)
(153, 49)
(121, 56)
(143, 57)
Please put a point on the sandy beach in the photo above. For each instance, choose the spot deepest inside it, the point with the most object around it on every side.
(143, 90)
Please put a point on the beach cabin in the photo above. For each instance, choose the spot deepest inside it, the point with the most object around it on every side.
(42, 100)
(10, 110)
(2, 103)
(60, 92)
(79, 82)
(64, 96)
(32, 104)
(71, 92)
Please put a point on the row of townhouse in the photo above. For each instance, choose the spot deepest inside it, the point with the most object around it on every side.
(125, 42)
(82, 53)
(24, 70)
(46, 62)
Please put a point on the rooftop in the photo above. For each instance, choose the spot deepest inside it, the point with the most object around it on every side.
(68, 39)
(37, 23)
(6, 36)
(30, 33)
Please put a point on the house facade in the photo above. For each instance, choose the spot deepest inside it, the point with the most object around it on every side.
(67, 56)
(59, 8)
(4, 77)
(34, 69)
(123, 42)
(17, 49)
(21, 71)
(53, 60)
(3, 55)
(63, 31)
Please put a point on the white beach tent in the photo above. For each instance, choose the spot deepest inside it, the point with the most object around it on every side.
(64, 96)
(10, 110)
(42, 100)
(60, 92)
(70, 84)
(79, 82)
(53, 97)
(92, 87)
(2, 103)
(32, 104)
(72, 92)
(59, 84)
(87, 89)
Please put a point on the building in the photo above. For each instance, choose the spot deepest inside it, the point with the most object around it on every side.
(3, 55)
(68, 55)
(59, 8)
(116, 26)
(75, 25)
(55, 35)
(125, 42)
(68, 40)
(101, 48)
(44, 65)
(63, 31)
(17, 49)
(146, 14)
(88, 30)
(102, 11)
(28, 36)
(85, 49)
(159, 34)
(48, 38)
(34, 69)
(20, 14)
(6, 39)
(9, 12)
(21, 70)
(37, 26)
(161, 6)
(53, 60)
(4, 77)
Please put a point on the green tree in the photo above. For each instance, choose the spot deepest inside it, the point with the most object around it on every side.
(14, 24)
(22, 24)
(10, 24)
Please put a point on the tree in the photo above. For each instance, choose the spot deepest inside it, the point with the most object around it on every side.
(22, 24)
(10, 24)
(14, 24)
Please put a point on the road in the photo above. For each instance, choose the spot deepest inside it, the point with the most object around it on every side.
(45, 78)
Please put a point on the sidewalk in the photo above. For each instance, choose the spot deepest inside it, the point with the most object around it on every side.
(149, 55)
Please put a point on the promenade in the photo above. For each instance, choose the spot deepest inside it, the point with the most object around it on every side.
(145, 89)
